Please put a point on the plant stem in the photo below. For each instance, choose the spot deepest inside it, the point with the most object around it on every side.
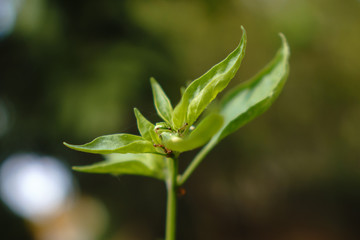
(171, 185)
(196, 161)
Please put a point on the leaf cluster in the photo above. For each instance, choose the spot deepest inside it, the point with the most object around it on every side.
(181, 129)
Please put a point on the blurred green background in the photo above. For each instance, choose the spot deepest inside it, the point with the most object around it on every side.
(74, 70)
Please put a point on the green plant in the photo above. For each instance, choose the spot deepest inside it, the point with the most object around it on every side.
(156, 152)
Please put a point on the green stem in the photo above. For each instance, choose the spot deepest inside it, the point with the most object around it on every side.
(171, 185)
(196, 161)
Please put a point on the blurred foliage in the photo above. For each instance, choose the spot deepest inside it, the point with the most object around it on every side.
(75, 69)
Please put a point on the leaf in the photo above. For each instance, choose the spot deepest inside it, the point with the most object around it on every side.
(161, 101)
(255, 96)
(201, 135)
(116, 143)
(144, 164)
(247, 101)
(145, 127)
(203, 90)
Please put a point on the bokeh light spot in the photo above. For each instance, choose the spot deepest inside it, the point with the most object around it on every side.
(8, 13)
(33, 186)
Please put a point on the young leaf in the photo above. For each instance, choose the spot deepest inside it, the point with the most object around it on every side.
(254, 97)
(116, 143)
(145, 127)
(161, 101)
(144, 164)
(247, 101)
(201, 135)
(203, 90)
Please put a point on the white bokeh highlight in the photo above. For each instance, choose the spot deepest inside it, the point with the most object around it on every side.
(8, 14)
(34, 187)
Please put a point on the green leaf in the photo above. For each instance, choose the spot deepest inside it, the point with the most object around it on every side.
(197, 138)
(144, 164)
(146, 128)
(161, 101)
(203, 90)
(255, 96)
(116, 143)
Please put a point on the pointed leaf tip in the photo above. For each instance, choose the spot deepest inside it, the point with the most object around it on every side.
(161, 101)
(71, 146)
